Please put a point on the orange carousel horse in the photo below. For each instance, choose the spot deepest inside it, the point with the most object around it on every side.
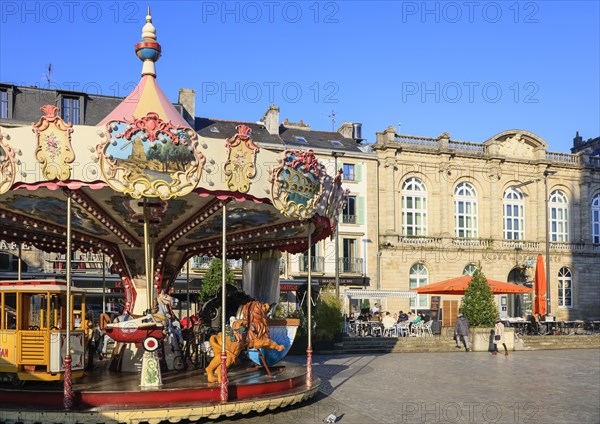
(250, 330)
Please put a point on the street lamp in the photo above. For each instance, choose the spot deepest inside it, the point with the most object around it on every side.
(547, 172)
(337, 242)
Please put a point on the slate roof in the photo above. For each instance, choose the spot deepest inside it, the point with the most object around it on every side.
(286, 138)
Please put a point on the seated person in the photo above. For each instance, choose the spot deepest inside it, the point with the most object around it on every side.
(388, 321)
(402, 317)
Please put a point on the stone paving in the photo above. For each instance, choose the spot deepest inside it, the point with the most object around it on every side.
(549, 386)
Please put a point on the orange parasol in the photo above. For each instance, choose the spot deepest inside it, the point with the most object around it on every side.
(458, 286)
(539, 303)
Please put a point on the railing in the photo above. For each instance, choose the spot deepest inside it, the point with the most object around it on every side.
(351, 265)
(520, 244)
(349, 219)
(473, 242)
(594, 161)
(203, 262)
(563, 157)
(465, 146)
(420, 240)
(433, 243)
(417, 141)
(317, 264)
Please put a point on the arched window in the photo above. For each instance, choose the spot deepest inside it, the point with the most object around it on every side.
(414, 208)
(419, 276)
(559, 216)
(465, 210)
(565, 288)
(470, 269)
(596, 219)
(514, 214)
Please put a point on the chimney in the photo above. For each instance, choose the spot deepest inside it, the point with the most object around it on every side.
(271, 120)
(187, 99)
(345, 130)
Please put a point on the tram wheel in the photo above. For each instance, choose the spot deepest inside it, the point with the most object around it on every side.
(15, 381)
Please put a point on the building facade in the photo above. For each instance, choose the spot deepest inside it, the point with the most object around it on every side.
(449, 206)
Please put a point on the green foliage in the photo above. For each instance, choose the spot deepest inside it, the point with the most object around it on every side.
(211, 283)
(478, 304)
(365, 304)
(328, 318)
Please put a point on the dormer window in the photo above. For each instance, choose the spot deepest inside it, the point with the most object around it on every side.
(300, 139)
(3, 104)
(71, 109)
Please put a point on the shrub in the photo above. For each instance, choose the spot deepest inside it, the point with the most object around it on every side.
(328, 318)
(478, 304)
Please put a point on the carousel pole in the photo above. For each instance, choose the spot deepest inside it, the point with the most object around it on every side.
(68, 394)
(187, 280)
(151, 376)
(103, 283)
(309, 350)
(19, 265)
(224, 380)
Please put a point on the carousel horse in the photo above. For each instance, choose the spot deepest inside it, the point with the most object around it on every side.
(235, 343)
(250, 330)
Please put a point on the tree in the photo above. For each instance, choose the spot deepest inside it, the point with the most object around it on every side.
(478, 304)
(212, 280)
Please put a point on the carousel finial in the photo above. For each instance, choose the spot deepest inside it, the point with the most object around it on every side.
(148, 50)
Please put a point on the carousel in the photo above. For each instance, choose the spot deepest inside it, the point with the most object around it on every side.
(143, 188)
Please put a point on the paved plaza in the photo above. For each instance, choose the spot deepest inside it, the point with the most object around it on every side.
(546, 386)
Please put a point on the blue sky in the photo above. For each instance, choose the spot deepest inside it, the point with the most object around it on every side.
(469, 68)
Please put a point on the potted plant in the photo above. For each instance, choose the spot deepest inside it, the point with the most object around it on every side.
(479, 307)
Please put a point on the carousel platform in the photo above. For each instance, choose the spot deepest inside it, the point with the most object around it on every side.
(103, 396)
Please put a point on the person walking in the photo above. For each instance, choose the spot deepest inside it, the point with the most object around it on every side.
(462, 332)
(499, 337)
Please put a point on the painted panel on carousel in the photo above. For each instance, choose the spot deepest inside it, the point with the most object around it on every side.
(150, 157)
(237, 219)
(7, 166)
(51, 209)
(240, 166)
(161, 216)
(53, 150)
(297, 184)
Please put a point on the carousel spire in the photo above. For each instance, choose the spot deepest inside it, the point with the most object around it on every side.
(148, 50)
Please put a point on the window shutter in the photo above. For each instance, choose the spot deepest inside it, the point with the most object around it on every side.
(358, 172)
(360, 210)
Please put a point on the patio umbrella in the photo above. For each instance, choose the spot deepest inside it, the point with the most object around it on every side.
(458, 286)
(539, 303)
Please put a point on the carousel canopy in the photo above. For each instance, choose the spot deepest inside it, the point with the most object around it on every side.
(144, 161)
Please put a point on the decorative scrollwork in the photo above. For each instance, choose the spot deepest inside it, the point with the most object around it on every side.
(240, 167)
(7, 166)
(151, 158)
(53, 150)
(297, 184)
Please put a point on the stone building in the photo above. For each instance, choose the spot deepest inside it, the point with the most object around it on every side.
(447, 206)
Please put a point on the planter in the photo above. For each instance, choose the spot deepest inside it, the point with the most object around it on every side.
(481, 338)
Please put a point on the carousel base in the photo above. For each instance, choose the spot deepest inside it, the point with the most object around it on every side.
(103, 396)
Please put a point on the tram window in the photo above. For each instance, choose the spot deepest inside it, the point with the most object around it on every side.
(36, 304)
(56, 311)
(10, 311)
(78, 306)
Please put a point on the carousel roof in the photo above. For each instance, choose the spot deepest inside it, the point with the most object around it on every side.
(144, 158)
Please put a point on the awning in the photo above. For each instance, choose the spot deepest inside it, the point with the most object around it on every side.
(378, 294)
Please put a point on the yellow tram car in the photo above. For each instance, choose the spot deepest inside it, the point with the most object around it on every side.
(33, 330)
